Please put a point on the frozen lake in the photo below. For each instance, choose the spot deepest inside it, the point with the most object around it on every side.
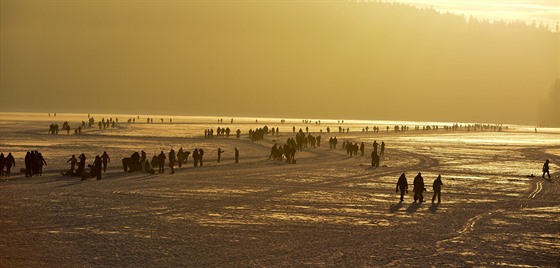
(329, 209)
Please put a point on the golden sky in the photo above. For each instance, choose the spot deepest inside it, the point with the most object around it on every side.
(299, 59)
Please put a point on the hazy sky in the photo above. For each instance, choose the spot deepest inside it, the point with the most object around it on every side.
(529, 11)
(310, 59)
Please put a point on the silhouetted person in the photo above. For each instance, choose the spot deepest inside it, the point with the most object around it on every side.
(81, 166)
(402, 185)
(437, 189)
(418, 188)
(236, 155)
(172, 161)
(35, 163)
(180, 157)
(106, 159)
(97, 166)
(382, 152)
(154, 162)
(200, 155)
(28, 165)
(220, 151)
(148, 168)
(161, 162)
(143, 157)
(73, 161)
(3, 163)
(195, 157)
(374, 159)
(545, 169)
(134, 162)
(39, 162)
(362, 148)
(9, 162)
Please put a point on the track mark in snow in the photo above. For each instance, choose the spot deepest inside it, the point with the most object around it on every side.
(536, 191)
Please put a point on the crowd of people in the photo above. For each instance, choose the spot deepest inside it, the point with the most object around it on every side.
(352, 149)
(78, 166)
(138, 161)
(103, 124)
(34, 162)
(287, 151)
(220, 132)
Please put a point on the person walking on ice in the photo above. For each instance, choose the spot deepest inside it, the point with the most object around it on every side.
(402, 185)
(172, 161)
(105, 159)
(220, 151)
(437, 189)
(418, 188)
(161, 160)
(545, 169)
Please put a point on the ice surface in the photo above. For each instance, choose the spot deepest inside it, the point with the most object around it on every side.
(329, 209)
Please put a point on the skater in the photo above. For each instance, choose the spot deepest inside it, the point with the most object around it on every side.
(105, 158)
(236, 155)
(437, 189)
(545, 169)
(418, 188)
(402, 185)
(172, 161)
(220, 151)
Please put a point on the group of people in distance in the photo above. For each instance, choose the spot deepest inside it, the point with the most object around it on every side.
(419, 188)
(287, 151)
(34, 162)
(353, 148)
(139, 162)
(103, 124)
(99, 164)
(221, 132)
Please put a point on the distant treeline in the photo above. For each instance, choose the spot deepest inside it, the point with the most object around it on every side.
(425, 65)
(550, 108)
(278, 59)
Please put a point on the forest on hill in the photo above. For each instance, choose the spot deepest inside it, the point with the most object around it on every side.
(278, 59)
